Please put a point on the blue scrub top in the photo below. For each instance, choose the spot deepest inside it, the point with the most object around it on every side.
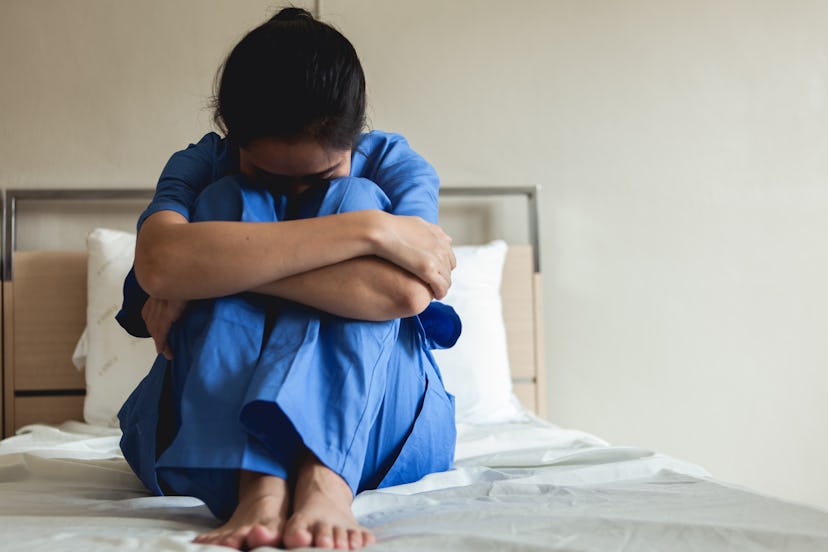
(409, 181)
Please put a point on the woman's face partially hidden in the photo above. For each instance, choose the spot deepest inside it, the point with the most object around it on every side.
(292, 166)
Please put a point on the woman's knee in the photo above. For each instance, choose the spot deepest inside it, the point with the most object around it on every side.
(221, 200)
(234, 198)
(351, 193)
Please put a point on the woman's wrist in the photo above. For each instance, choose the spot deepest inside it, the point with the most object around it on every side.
(373, 228)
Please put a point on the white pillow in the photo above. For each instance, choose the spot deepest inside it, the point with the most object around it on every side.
(476, 369)
(115, 361)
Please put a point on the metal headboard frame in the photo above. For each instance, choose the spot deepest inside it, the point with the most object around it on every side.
(11, 197)
(532, 194)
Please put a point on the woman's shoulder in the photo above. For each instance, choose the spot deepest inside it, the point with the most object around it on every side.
(211, 153)
(212, 144)
(376, 141)
(377, 149)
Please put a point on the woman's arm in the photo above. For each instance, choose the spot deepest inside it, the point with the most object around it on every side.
(175, 259)
(184, 261)
(367, 288)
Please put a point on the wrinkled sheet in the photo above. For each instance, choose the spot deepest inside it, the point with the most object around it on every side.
(520, 486)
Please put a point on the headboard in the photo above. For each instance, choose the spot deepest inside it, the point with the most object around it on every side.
(44, 313)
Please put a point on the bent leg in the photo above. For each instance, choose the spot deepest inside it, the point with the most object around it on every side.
(200, 443)
(323, 373)
(213, 456)
(356, 393)
(415, 413)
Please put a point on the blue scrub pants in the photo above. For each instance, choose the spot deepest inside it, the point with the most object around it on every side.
(254, 379)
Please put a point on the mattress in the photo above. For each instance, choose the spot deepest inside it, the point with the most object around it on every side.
(520, 486)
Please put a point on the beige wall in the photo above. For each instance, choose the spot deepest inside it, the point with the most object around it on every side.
(682, 147)
(101, 92)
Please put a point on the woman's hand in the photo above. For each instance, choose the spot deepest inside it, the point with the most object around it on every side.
(159, 315)
(419, 247)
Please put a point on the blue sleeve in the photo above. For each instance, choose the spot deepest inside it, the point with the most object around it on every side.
(186, 174)
(441, 324)
(409, 181)
(129, 317)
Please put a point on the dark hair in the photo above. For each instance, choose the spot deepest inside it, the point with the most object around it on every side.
(294, 78)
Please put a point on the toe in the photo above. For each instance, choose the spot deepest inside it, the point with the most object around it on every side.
(207, 538)
(261, 535)
(323, 536)
(298, 537)
(234, 539)
(340, 538)
(355, 539)
(368, 538)
(229, 538)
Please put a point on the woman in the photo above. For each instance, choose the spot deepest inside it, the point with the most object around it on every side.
(286, 273)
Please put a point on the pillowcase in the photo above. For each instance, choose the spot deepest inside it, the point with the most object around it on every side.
(115, 361)
(476, 369)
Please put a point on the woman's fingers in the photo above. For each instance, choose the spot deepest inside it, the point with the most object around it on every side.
(421, 248)
(446, 262)
(439, 290)
(438, 271)
(440, 261)
(159, 316)
(150, 316)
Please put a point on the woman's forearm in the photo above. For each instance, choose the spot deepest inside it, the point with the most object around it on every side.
(367, 288)
(176, 259)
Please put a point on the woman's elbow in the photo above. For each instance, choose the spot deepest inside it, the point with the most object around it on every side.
(414, 298)
(158, 254)
(153, 275)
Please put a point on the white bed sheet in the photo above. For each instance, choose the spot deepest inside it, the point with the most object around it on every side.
(521, 486)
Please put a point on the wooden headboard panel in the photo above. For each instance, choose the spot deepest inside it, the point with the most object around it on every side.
(521, 295)
(44, 313)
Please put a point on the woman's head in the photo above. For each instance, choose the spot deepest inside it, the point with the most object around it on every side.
(294, 79)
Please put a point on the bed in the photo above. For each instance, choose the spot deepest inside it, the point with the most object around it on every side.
(519, 482)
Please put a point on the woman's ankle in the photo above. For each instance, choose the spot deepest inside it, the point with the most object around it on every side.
(314, 476)
(253, 484)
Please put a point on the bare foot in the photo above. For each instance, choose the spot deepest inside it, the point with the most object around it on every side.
(259, 518)
(322, 514)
